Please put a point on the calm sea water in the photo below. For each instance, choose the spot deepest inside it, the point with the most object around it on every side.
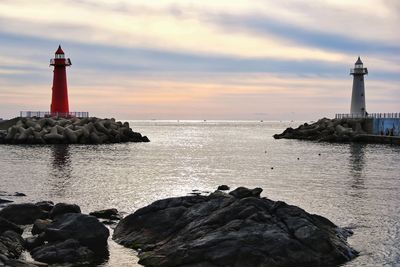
(353, 185)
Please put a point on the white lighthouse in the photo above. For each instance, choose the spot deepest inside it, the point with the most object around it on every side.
(358, 108)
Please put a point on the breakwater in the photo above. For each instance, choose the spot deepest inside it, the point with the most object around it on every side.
(67, 131)
(362, 130)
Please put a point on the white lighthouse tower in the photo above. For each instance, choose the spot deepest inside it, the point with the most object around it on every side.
(358, 108)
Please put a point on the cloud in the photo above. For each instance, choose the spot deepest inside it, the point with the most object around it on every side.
(214, 59)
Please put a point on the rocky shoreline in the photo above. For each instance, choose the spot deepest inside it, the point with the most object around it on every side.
(238, 228)
(337, 130)
(67, 131)
(59, 234)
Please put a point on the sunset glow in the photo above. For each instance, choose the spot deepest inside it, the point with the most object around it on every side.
(200, 59)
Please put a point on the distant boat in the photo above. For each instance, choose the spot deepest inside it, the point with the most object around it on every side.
(261, 121)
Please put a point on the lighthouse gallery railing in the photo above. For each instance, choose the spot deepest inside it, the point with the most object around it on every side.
(44, 114)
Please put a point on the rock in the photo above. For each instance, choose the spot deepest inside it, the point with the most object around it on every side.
(6, 225)
(45, 205)
(68, 251)
(239, 229)
(86, 229)
(20, 263)
(223, 187)
(62, 208)
(145, 139)
(11, 244)
(39, 226)
(111, 214)
(25, 213)
(242, 192)
(2, 201)
(34, 242)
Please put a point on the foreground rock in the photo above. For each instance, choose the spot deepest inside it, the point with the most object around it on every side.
(70, 238)
(68, 251)
(67, 131)
(236, 229)
(62, 208)
(337, 130)
(60, 234)
(86, 229)
(6, 225)
(11, 247)
(25, 213)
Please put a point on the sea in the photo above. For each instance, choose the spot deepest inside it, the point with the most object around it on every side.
(356, 186)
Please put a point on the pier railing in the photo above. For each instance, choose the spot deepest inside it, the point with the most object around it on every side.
(369, 115)
(45, 114)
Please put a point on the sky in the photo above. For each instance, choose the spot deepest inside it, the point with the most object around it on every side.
(191, 59)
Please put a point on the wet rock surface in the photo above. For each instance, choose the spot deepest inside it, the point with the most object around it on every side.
(67, 131)
(109, 214)
(236, 229)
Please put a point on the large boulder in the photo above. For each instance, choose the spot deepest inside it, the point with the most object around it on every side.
(25, 213)
(62, 208)
(237, 229)
(86, 229)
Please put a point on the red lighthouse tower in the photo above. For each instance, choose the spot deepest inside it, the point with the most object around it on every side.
(59, 99)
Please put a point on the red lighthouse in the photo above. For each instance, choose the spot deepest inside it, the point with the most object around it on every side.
(59, 99)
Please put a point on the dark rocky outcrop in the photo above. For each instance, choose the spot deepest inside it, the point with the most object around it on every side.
(72, 238)
(338, 130)
(2, 201)
(84, 228)
(68, 251)
(6, 225)
(11, 245)
(25, 213)
(67, 131)
(236, 229)
(62, 208)
(223, 187)
(109, 214)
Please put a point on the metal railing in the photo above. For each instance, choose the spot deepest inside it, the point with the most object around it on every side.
(369, 115)
(45, 114)
(359, 71)
(57, 61)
